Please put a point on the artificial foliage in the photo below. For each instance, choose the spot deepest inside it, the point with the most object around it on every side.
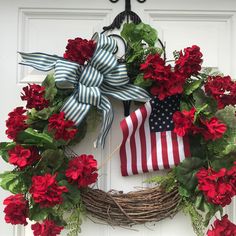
(49, 180)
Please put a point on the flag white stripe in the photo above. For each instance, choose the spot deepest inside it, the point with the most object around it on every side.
(127, 147)
(137, 140)
(159, 151)
(170, 149)
(181, 148)
(148, 137)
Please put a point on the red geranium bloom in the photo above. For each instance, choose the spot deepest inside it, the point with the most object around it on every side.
(23, 157)
(79, 50)
(222, 227)
(166, 82)
(34, 95)
(16, 209)
(222, 89)
(46, 191)
(189, 62)
(46, 228)
(232, 174)
(154, 68)
(216, 186)
(16, 122)
(212, 129)
(63, 129)
(82, 170)
(183, 121)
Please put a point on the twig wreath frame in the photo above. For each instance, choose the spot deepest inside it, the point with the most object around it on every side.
(48, 180)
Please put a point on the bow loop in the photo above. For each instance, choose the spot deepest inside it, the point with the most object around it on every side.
(88, 95)
(103, 59)
(90, 76)
(67, 74)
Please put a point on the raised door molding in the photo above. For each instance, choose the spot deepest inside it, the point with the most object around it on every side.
(47, 30)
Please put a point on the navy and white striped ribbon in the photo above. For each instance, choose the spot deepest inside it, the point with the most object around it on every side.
(101, 76)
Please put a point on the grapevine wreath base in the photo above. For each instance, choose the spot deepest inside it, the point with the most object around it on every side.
(54, 187)
(126, 209)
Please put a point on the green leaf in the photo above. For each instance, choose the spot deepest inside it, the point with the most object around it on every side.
(12, 182)
(185, 106)
(137, 32)
(52, 159)
(37, 213)
(196, 147)
(50, 89)
(32, 137)
(186, 170)
(223, 146)
(141, 82)
(43, 114)
(227, 115)
(224, 162)
(4, 148)
(201, 100)
(199, 201)
(210, 211)
(73, 194)
(190, 87)
(184, 192)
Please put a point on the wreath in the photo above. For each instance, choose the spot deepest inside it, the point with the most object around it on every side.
(49, 179)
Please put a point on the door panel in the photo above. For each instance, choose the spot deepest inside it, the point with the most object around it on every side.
(37, 25)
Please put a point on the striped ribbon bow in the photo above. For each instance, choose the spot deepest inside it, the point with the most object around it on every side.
(103, 75)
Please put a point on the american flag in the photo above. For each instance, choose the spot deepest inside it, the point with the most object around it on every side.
(149, 142)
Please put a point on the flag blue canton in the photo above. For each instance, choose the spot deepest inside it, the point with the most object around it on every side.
(161, 117)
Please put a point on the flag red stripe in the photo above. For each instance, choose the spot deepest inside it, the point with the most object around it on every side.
(175, 148)
(164, 151)
(154, 151)
(123, 157)
(133, 144)
(143, 140)
(187, 152)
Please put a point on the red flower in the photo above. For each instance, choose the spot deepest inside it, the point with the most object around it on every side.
(34, 95)
(154, 68)
(212, 129)
(46, 228)
(166, 82)
(79, 50)
(222, 227)
(23, 157)
(189, 62)
(82, 170)
(46, 191)
(16, 209)
(183, 121)
(216, 186)
(63, 129)
(222, 89)
(16, 122)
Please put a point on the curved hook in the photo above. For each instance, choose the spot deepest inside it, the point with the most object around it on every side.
(124, 43)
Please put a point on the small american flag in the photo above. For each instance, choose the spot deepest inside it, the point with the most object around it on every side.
(149, 142)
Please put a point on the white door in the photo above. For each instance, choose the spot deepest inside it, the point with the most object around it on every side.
(45, 25)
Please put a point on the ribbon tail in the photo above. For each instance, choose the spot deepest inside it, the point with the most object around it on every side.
(126, 92)
(108, 116)
(39, 61)
(75, 110)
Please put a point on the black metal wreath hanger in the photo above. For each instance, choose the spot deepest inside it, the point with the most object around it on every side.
(126, 14)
